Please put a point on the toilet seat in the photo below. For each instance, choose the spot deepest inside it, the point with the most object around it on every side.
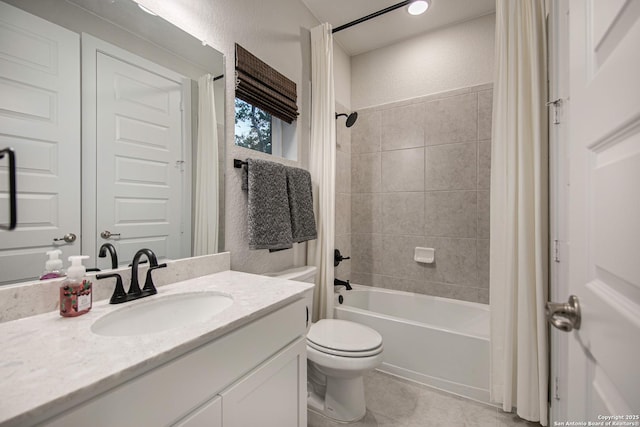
(344, 338)
(343, 353)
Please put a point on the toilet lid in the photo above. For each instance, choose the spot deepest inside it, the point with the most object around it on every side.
(350, 338)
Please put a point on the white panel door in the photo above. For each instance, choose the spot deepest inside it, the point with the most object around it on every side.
(604, 212)
(40, 119)
(139, 169)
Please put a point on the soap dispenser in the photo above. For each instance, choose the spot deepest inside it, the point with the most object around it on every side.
(75, 292)
(53, 267)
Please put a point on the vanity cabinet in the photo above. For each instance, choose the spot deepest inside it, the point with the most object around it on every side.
(209, 415)
(252, 376)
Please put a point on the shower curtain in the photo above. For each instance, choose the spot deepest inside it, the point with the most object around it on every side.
(519, 211)
(322, 166)
(205, 239)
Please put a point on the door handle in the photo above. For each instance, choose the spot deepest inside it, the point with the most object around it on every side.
(68, 238)
(564, 316)
(13, 210)
(107, 234)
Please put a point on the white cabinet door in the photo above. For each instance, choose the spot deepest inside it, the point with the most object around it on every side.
(40, 119)
(273, 395)
(208, 415)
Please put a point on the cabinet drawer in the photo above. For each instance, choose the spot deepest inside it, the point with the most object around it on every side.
(165, 394)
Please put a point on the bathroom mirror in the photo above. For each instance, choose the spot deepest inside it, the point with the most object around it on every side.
(113, 29)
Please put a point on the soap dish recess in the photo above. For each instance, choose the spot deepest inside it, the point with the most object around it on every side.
(424, 255)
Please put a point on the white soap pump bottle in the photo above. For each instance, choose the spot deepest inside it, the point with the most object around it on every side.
(76, 291)
(53, 266)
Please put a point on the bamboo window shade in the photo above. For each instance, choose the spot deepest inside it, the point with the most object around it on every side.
(260, 85)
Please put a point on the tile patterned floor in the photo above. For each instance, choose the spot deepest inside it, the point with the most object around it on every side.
(394, 402)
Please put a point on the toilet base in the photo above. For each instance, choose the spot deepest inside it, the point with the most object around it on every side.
(343, 400)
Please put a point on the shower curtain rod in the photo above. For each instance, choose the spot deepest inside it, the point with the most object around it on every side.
(371, 16)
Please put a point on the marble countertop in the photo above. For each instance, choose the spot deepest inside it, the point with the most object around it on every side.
(49, 363)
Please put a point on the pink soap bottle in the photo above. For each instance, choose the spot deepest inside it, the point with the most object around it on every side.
(75, 292)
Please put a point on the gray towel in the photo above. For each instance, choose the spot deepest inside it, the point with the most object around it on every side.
(303, 223)
(268, 206)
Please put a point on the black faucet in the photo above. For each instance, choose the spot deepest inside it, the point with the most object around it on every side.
(112, 251)
(149, 288)
(119, 296)
(338, 282)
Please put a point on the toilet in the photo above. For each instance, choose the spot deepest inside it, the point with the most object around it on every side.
(339, 353)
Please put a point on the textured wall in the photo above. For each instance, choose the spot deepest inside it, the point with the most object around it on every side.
(457, 56)
(342, 76)
(277, 32)
(420, 177)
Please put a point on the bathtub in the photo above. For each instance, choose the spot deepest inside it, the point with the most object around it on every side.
(440, 342)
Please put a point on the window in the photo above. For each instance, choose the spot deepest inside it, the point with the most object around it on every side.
(265, 107)
(253, 127)
(258, 130)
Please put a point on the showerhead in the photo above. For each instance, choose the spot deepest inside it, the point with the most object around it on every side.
(351, 118)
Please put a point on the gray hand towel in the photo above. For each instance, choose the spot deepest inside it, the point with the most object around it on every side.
(303, 223)
(268, 205)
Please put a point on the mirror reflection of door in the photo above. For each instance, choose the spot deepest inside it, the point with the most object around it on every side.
(40, 119)
(141, 112)
(140, 121)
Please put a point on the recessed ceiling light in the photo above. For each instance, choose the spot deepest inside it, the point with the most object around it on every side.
(418, 7)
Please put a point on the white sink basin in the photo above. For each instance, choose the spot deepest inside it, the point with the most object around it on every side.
(161, 314)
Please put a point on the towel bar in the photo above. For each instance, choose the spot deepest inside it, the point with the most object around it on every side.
(238, 163)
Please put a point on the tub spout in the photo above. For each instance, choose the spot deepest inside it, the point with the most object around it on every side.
(338, 282)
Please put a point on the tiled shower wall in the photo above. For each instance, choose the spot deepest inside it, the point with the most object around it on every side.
(343, 193)
(420, 174)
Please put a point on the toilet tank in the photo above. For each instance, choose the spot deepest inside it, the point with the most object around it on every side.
(301, 274)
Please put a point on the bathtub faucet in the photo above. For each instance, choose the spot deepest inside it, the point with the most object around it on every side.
(338, 282)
